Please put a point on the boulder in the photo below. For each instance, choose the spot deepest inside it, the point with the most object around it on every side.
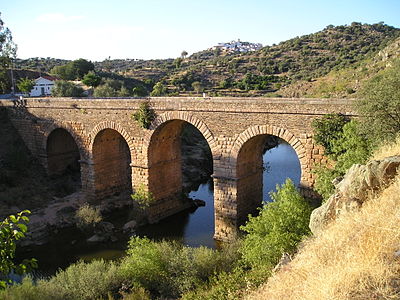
(129, 227)
(356, 187)
(97, 238)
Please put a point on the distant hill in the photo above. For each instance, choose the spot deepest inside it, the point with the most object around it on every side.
(273, 70)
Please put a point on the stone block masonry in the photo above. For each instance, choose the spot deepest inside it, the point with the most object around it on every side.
(115, 154)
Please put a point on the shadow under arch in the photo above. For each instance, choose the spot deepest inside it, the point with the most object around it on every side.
(111, 153)
(164, 160)
(247, 154)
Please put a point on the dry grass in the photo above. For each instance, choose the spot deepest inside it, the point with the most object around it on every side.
(387, 150)
(353, 259)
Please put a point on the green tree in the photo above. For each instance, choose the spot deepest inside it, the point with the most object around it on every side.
(12, 229)
(25, 84)
(349, 147)
(197, 86)
(76, 69)
(91, 79)
(379, 104)
(158, 90)
(279, 227)
(105, 91)
(81, 67)
(8, 51)
(139, 91)
(184, 54)
(66, 89)
(328, 129)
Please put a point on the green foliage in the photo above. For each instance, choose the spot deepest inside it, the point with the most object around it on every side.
(139, 91)
(73, 70)
(197, 87)
(279, 227)
(105, 91)
(144, 115)
(346, 148)
(380, 105)
(87, 217)
(158, 90)
(91, 79)
(25, 84)
(8, 51)
(80, 281)
(328, 129)
(143, 197)
(170, 269)
(12, 229)
(66, 89)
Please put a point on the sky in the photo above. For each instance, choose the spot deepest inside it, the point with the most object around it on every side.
(151, 29)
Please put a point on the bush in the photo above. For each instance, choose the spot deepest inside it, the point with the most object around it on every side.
(66, 89)
(144, 115)
(347, 148)
(170, 269)
(328, 129)
(87, 217)
(80, 281)
(105, 91)
(279, 227)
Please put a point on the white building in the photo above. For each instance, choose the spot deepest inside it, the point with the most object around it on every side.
(43, 86)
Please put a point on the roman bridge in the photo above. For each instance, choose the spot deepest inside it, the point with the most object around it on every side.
(115, 154)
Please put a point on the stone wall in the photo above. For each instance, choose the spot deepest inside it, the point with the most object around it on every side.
(233, 127)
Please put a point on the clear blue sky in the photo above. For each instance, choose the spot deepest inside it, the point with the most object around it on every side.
(148, 29)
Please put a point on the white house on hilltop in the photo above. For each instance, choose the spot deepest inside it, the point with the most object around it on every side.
(43, 86)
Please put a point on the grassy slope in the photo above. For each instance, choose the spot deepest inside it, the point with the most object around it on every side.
(354, 258)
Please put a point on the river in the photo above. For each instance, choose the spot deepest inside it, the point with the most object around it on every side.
(192, 228)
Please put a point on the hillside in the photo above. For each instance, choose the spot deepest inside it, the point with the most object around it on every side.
(355, 257)
(262, 72)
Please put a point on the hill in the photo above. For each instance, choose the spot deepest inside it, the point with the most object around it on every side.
(269, 71)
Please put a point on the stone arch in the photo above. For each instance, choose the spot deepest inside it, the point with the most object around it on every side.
(247, 165)
(162, 150)
(110, 125)
(184, 116)
(284, 134)
(111, 156)
(71, 130)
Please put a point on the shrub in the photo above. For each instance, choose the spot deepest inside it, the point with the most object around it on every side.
(144, 115)
(87, 217)
(328, 129)
(170, 269)
(66, 89)
(279, 227)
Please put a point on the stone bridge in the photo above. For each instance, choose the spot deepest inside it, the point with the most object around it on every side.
(115, 154)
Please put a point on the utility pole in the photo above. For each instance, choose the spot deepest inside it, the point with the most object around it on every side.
(12, 78)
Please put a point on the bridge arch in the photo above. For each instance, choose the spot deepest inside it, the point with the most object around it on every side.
(111, 154)
(247, 155)
(62, 148)
(164, 160)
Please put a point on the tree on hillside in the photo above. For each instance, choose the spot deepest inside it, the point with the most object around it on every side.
(66, 89)
(184, 54)
(379, 104)
(8, 51)
(197, 86)
(25, 84)
(76, 69)
(81, 67)
(158, 90)
(91, 79)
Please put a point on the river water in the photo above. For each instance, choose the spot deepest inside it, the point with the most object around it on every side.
(193, 228)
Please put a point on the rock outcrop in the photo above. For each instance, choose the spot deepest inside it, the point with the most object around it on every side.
(356, 187)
